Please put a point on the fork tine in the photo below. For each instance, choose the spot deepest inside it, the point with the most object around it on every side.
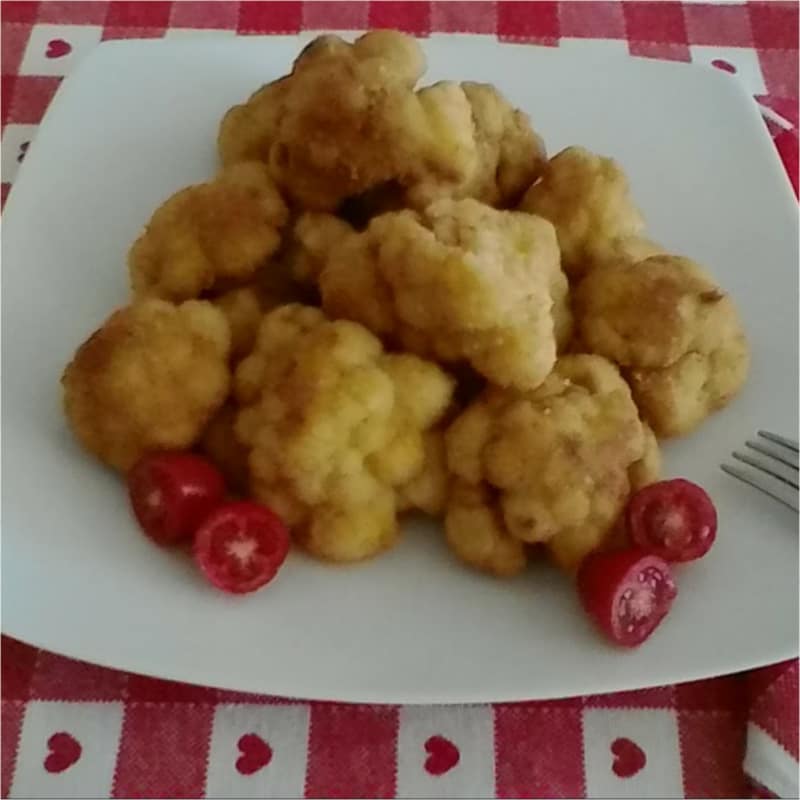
(782, 440)
(752, 462)
(778, 456)
(750, 480)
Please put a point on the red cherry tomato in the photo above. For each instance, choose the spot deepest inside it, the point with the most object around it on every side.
(241, 546)
(172, 493)
(627, 593)
(674, 520)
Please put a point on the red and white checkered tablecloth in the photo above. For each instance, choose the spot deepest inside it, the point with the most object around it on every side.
(74, 730)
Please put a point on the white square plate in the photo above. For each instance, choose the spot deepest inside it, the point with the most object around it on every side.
(136, 122)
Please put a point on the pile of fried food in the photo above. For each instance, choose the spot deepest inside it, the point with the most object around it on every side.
(389, 299)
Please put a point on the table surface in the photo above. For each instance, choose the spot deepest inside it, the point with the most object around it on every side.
(73, 729)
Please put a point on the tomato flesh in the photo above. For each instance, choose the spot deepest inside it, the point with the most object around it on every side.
(241, 546)
(675, 520)
(171, 493)
(627, 593)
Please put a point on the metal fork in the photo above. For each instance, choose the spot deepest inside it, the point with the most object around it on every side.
(776, 473)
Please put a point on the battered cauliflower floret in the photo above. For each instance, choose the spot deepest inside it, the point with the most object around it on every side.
(220, 444)
(313, 236)
(510, 155)
(676, 399)
(587, 198)
(676, 333)
(247, 131)
(335, 426)
(563, 322)
(427, 490)
(555, 460)
(650, 313)
(347, 119)
(461, 282)
(625, 249)
(210, 236)
(647, 469)
(149, 379)
(476, 533)
(243, 310)
(245, 306)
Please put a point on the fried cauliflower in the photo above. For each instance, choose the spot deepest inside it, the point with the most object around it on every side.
(550, 465)
(427, 489)
(347, 119)
(510, 155)
(220, 444)
(647, 469)
(334, 427)
(312, 239)
(243, 310)
(475, 532)
(209, 237)
(461, 282)
(245, 306)
(624, 249)
(388, 301)
(673, 330)
(587, 199)
(247, 131)
(676, 399)
(149, 379)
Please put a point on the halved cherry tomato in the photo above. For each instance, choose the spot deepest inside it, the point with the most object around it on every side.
(172, 493)
(627, 593)
(674, 519)
(241, 546)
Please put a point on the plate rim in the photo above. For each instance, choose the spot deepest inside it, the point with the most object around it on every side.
(364, 696)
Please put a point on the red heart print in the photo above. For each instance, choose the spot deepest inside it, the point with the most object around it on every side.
(443, 755)
(56, 48)
(65, 750)
(721, 63)
(629, 758)
(255, 754)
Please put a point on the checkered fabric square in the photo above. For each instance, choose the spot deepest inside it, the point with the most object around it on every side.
(71, 729)
(757, 40)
